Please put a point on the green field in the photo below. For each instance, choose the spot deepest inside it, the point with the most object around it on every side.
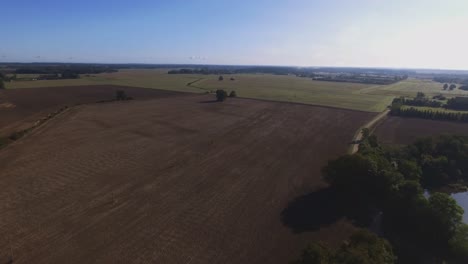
(373, 98)
(410, 87)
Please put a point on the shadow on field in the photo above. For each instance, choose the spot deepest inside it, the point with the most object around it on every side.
(321, 208)
(208, 102)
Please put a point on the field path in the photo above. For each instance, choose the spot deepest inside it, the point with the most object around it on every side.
(371, 124)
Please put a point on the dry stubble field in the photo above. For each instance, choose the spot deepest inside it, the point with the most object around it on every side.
(169, 180)
(20, 108)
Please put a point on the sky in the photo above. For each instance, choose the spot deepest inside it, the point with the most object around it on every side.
(356, 33)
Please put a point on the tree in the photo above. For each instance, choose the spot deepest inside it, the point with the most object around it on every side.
(221, 95)
(446, 86)
(420, 95)
(452, 86)
(443, 217)
(120, 95)
(447, 215)
(365, 133)
(459, 245)
(315, 253)
(2, 85)
(233, 94)
(220, 78)
(365, 247)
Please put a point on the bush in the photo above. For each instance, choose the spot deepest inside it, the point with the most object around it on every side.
(121, 95)
(2, 85)
(221, 95)
(233, 94)
(220, 78)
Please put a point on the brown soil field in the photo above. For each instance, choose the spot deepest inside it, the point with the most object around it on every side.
(20, 108)
(169, 180)
(399, 130)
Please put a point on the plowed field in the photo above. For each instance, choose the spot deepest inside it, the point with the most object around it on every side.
(20, 108)
(169, 180)
(398, 130)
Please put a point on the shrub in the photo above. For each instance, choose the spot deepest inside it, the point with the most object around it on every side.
(120, 95)
(233, 94)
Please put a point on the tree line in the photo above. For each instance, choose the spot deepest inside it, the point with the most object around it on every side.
(420, 228)
(456, 103)
(420, 100)
(429, 114)
(451, 79)
(2, 84)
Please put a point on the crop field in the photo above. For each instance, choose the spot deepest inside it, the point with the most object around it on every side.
(398, 130)
(176, 179)
(20, 108)
(410, 87)
(259, 86)
(363, 97)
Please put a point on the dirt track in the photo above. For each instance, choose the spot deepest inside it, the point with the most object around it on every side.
(19, 108)
(398, 130)
(370, 125)
(171, 180)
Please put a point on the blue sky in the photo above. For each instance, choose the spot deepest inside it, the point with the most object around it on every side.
(369, 33)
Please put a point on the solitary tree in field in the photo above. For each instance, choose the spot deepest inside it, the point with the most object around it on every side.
(221, 95)
(2, 85)
(120, 95)
(446, 86)
(220, 78)
(452, 86)
(420, 95)
(233, 94)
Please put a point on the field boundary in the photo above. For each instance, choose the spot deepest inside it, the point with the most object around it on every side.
(306, 104)
(18, 135)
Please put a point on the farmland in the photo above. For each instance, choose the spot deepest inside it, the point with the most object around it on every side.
(20, 108)
(287, 88)
(259, 86)
(398, 130)
(173, 179)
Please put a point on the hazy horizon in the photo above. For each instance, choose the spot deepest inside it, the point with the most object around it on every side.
(366, 33)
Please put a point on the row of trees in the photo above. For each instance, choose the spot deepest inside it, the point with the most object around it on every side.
(361, 78)
(429, 114)
(420, 100)
(451, 79)
(392, 180)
